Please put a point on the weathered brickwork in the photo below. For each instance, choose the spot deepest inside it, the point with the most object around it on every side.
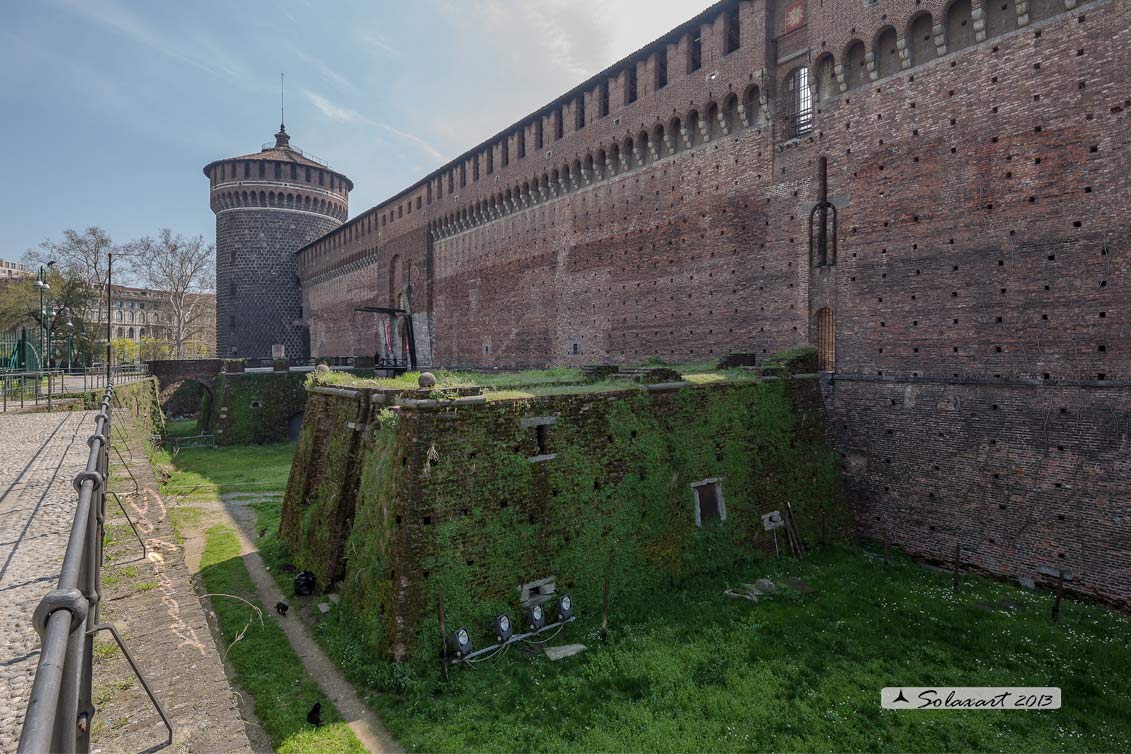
(481, 496)
(976, 157)
(268, 205)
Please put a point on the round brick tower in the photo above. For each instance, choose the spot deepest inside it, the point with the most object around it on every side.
(268, 205)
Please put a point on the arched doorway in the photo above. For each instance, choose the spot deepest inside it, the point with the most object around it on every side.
(826, 340)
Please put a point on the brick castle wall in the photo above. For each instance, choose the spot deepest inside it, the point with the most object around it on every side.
(976, 159)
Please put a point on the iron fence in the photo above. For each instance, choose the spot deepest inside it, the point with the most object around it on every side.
(20, 389)
(60, 709)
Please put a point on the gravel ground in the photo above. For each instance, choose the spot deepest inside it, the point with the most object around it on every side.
(39, 456)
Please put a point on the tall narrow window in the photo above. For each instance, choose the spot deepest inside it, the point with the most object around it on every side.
(462, 174)
(490, 160)
(451, 182)
(630, 84)
(559, 124)
(504, 152)
(826, 340)
(798, 103)
(521, 143)
(732, 31)
(662, 68)
(579, 112)
(709, 504)
(694, 52)
(603, 99)
(475, 168)
(538, 141)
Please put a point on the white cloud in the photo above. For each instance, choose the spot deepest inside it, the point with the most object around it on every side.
(346, 115)
(325, 71)
(336, 112)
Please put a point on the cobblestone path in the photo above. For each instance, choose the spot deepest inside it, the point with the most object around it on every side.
(39, 456)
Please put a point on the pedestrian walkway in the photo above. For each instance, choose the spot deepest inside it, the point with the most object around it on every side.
(40, 454)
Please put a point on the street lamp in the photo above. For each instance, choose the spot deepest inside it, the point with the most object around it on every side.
(43, 286)
(70, 344)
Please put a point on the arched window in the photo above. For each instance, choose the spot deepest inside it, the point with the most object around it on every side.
(644, 147)
(826, 340)
(959, 26)
(130, 317)
(120, 333)
(141, 333)
(921, 38)
(659, 142)
(729, 111)
(694, 136)
(614, 166)
(600, 165)
(855, 66)
(886, 52)
(675, 126)
(131, 333)
(1001, 16)
(713, 129)
(628, 153)
(798, 105)
(119, 315)
(752, 106)
(827, 86)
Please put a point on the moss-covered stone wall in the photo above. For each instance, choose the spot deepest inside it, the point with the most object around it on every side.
(254, 407)
(141, 399)
(399, 501)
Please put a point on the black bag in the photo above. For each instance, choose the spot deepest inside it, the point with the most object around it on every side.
(304, 584)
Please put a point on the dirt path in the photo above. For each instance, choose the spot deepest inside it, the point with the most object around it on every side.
(361, 719)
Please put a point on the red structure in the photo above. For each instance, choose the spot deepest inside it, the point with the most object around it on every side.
(972, 321)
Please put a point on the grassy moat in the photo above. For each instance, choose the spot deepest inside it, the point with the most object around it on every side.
(697, 671)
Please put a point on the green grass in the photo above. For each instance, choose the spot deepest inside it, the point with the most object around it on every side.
(181, 428)
(531, 383)
(263, 661)
(699, 672)
(207, 473)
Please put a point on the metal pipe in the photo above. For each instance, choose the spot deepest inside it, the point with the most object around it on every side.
(42, 708)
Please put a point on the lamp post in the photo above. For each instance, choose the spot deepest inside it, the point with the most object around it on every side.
(70, 344)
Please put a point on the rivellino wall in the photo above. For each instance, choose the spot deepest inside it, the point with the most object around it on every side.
(972, 323)
(477, 497)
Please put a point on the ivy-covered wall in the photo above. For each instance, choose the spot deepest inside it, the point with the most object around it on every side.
(414, 498)
(141, 400)
(254, 407)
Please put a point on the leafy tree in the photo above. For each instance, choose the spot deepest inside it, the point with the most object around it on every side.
(82, 257)
(64, 311)
(152, 349)
(124, 350)
(183, 268)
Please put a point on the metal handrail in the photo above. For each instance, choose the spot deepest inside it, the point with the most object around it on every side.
(35, 387)
(60, 708)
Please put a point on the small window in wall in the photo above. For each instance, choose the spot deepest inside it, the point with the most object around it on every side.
(798, 103)
(733, 32)
(603, 99)
(538, 142)
(630, 84)
(541, 426)
(579, 113)
(462, 174)
(694, 53)
(559, 124)
(521, 147)
(661, 69)
(504, 153)
(475, 168)
(709, 504)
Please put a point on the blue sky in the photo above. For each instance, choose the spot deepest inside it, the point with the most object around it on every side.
(110, 108)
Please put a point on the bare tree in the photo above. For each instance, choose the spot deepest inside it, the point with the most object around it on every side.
(79, 256)
(184, 268)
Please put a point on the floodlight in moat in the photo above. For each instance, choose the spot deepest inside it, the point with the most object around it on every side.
(535, 617)
(564, 607)
(502, 627)
(459, 642)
